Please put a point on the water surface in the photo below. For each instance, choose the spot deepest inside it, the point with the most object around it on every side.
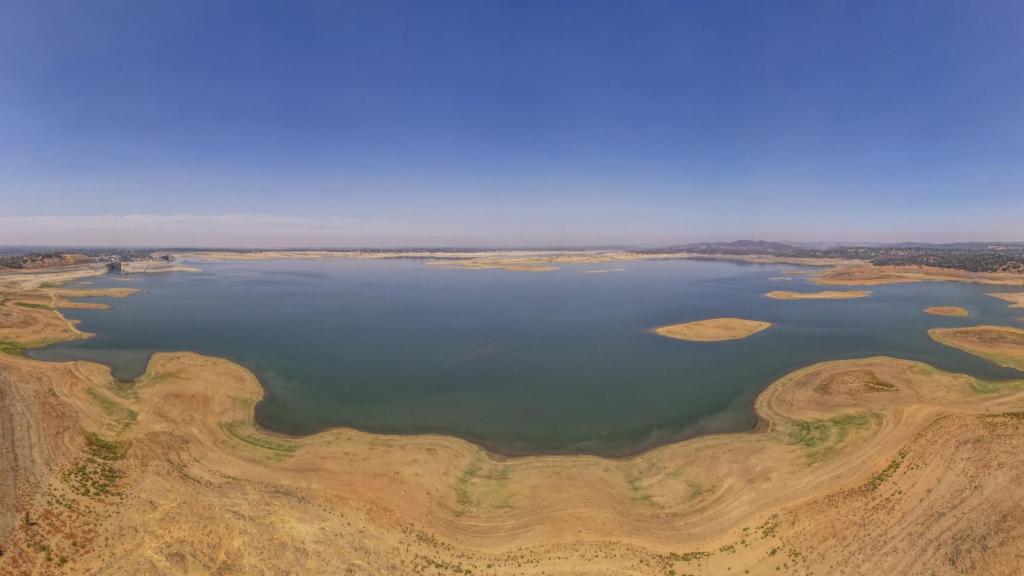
(559, 361)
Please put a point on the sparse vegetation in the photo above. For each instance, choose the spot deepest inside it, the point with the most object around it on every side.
(242, 430)
(19, 348)
(96, 474)
(113, 408)
(462, 494)
(8, 347)
(878, 479)
(821, 438)
(107, 450)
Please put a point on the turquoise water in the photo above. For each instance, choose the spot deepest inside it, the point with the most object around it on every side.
(560, 361)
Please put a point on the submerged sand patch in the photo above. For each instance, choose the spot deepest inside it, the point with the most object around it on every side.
(823, 295)
(713, 329)
(954, 311)
(1000, 344)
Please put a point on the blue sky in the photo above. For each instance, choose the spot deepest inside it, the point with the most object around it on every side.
(509, 123)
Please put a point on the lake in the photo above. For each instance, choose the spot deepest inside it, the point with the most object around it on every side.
(547, 362)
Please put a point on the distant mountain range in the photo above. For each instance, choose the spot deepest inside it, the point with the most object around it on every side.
(744, 247)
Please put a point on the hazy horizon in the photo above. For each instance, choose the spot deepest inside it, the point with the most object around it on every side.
(481, 245)
(509, 124)
(277, 232)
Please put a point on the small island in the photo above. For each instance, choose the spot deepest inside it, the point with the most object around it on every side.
(823, 295)
(955, 311)
(713, 329)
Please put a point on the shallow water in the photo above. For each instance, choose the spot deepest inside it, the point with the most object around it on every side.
(559, 361)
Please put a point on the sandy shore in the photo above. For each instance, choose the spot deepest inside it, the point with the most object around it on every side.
(713, 330)
(823, 295)
(865, 466)
(954, 311)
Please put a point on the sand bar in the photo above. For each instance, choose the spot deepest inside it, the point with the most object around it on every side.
(954, 311)
(823, 295)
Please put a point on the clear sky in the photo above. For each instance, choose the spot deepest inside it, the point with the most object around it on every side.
(509, 123)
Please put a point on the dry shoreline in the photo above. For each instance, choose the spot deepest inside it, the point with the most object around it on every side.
(842, 471)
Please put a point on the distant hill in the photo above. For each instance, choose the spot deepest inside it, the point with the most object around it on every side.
(739, 247)
(970, 256)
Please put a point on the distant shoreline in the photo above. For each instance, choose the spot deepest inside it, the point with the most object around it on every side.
(968, 258)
